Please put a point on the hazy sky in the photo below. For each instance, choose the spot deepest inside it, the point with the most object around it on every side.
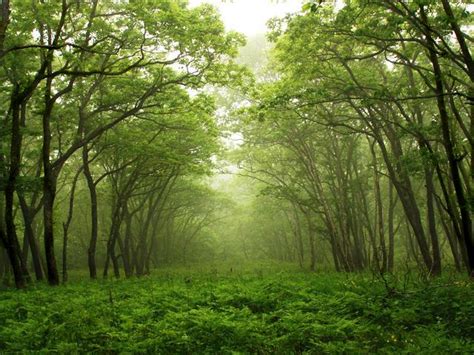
(250, 16)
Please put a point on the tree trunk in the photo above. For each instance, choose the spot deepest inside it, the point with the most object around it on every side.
(312, 246)
(112, 242)
(49, 192)
(125, 246)
(402, 184)
(463, 205)
(4, 21)
(153, 243)
(453, 243)
(91, 251)
(30, 237)
(379, 215)
(436, 266)
(67, 223)
(49, 196)
(391, 231)
(12, 245)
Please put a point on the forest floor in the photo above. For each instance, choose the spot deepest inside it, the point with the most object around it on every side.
(259, 310)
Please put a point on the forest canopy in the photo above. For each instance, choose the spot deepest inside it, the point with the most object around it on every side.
(355, 137)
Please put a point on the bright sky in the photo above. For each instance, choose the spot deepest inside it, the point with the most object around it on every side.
(250, 16)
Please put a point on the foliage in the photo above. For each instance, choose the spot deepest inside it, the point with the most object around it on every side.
(257, 310)
(362, 132)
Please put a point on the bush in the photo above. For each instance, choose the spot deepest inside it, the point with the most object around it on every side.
(291, 312)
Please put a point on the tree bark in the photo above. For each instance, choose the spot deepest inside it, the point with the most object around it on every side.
(91, 251)
(383, 266)
(391, 231)
(453, 242)
(12, 245)
(67, 223)
(4, 21)
(30, 237)
(430, 190)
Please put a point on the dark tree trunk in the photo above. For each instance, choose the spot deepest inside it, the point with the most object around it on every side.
(3, 258)
(112, 241)
(391, 230)
(412, 250)
(453, 162)
(115, 258)
(125, 246)
(12, 245)
(4, 21)
(383, 263)
(453, 242)
(299, 237)
(49, 196)
(436, 266)
(30, 237)
(91, 252)
(65, 245)
(49, 191)
(312, 265)
(153, 245)
(335, 256)
(67, 223)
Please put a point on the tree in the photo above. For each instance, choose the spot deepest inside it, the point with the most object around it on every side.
(76, 70)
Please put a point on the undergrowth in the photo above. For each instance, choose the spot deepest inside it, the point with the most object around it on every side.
(242, 312)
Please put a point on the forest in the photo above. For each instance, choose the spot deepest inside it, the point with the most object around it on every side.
(168, 185)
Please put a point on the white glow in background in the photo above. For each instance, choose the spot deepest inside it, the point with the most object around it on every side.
(250, 16)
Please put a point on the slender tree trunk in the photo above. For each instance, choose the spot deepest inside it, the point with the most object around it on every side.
(4, 21)
(91, 252)
(402, 184)
(105, 273)
(379, 214)
(412, 248)
(391, 231)
(312, 246)
(3, 239)
(453, 243)
(112, 242)
(335, 256)
(362, 208)
(3, 258)
(466, 223)
(114, 257)
(153, 242)
(65, 245)
(48, 217)
(436, 266)
(25, 248)
(30, 237)
(67, 223)
(125, 260)
(49, 192)
(12, 245)
(299, 236)
(125, 246)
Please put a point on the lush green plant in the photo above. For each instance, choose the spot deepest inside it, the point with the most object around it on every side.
(259, 310)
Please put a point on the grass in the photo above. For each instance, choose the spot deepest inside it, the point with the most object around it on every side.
(258, 310)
